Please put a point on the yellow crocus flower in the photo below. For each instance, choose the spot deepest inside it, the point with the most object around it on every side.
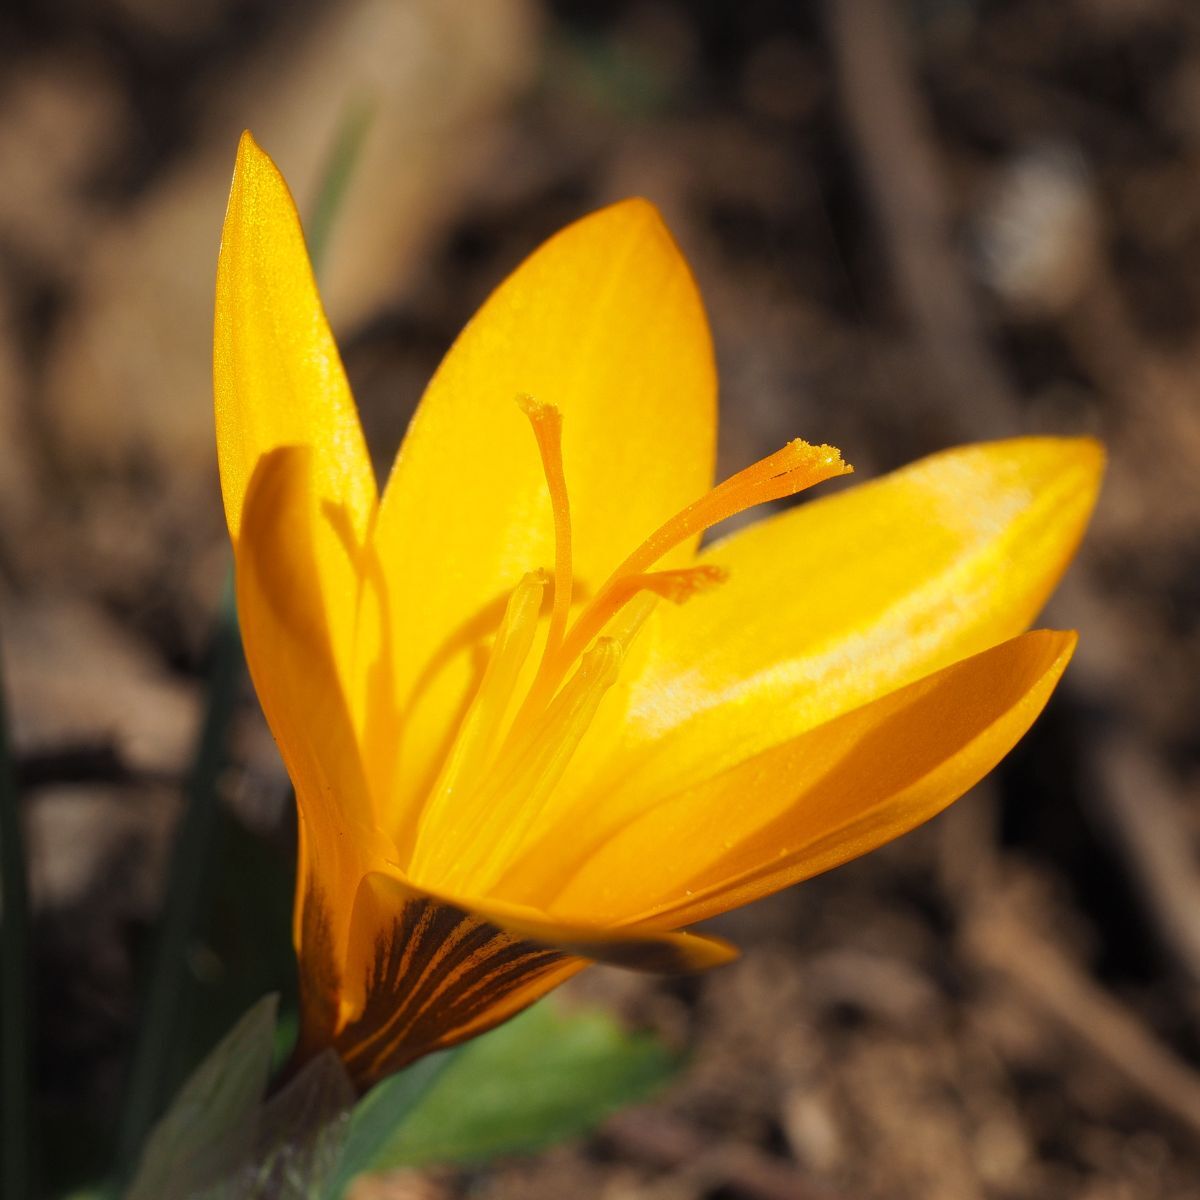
(515, 749)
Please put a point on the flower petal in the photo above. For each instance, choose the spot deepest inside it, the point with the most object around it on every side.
(829, 795)
(285, 534)
(424, 972)
(277, 376)
(660, 951)
(603, 321)
(843, 599)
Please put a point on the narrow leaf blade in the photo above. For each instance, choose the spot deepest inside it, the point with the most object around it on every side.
(210, 1127)
(547, 1075)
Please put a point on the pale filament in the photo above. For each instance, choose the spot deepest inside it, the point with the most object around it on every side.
(529, 769)
(482, 726)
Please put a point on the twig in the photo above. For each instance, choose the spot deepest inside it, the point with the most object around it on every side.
(1001, 941)
(667, 1143)
(890, 130)
(1146, 829)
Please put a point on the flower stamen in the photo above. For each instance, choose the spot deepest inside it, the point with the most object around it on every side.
(479, 734)
(546, 421)
(527, 771)
(678, 585)
(792, 469)
(502, 769)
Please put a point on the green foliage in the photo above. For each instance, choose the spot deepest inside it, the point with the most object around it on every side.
(382, 1114)
(189, 875)
(207, 1132)
(298, 1138)
(221, 1141)
(547, 1075)
(335, 178)
(15, 1124)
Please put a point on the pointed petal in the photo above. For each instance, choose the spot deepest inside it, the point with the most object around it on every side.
(603, 321)
(285, 534)
(843, 599)
(657, 950)
(829, 795)
(277, 376)
(424, 972)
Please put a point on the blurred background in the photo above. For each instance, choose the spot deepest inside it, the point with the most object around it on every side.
(914, 224)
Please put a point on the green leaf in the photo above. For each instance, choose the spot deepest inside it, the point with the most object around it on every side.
(547, 1075)
(335, 178)
(298, 1140)
(210, 1127)
(188, 880)
(16, 1126)
(384, 1109)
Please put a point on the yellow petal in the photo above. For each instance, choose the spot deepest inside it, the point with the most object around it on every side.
(843, 599)
(829, 795)
(424, 971)
(604, 322)
(660, 951)
(277, 376)
(285, 533)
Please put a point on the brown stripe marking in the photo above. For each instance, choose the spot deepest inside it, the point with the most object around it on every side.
(319, 978)
(436, 974)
